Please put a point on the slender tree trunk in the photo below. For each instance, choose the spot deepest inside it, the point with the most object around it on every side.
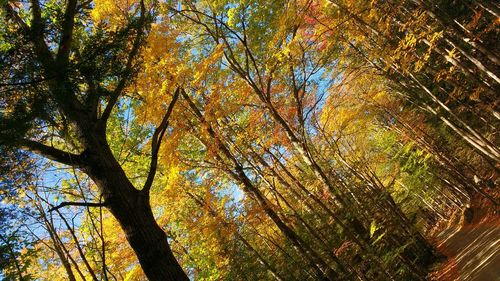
(78, 247)
(58, 249)
(321, 268)
(470, 135)
(433, 11)
(238, 235)
(12, 254)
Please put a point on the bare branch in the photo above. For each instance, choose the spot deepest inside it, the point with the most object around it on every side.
(129, 66)
(84, 204)
(156, 141)
(23, 83)
(51, 153)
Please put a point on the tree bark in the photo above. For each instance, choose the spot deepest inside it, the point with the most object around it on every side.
(132, 209)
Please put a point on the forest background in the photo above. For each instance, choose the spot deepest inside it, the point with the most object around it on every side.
(241, 140)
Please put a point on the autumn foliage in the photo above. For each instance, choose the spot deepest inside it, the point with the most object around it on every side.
(241, 140)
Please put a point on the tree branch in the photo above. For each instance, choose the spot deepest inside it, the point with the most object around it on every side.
(67, 33)
(128, 68)
(24, 82)
(156, 142)
(51, 153)
(84, 204)
(36, 33)
(15, 17)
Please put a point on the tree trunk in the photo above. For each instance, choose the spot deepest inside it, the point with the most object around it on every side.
(148, 240)
(58, 249)
(78, 247)
(132, 210)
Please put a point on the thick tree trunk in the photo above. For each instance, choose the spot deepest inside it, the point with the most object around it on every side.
(132, 210)
(148, 240)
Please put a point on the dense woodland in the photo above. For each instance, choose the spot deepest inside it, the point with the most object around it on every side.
(241, 140)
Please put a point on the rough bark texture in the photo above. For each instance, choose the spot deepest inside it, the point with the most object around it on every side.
(132, 210)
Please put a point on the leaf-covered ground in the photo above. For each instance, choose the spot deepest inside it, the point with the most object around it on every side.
(472, 249)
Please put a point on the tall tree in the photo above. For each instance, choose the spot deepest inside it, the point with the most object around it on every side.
(63, 73)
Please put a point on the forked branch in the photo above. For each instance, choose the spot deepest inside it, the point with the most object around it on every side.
(156, 142)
